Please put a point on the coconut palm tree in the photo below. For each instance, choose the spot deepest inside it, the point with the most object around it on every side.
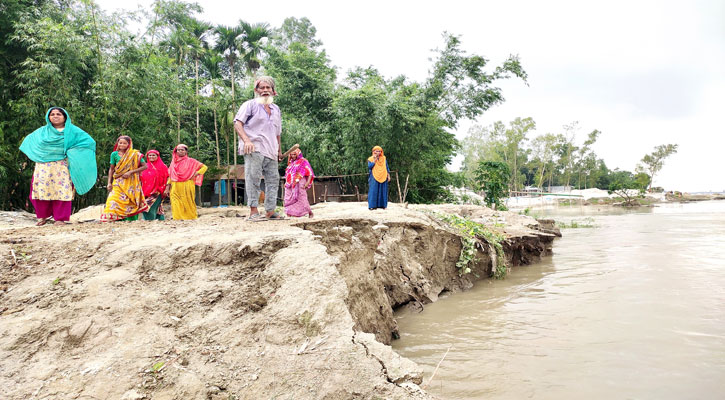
(199, 32)
(210, 61)
(251, 44)
(177, 45)
(227, 44)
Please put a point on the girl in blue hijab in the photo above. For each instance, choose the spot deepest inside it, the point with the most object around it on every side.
(65, 162)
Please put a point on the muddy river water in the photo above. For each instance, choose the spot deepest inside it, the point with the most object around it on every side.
(633, 308)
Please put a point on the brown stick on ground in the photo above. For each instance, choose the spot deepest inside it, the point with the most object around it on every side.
(405, 189)
(15, 259)
(436, 370)
(400, 194)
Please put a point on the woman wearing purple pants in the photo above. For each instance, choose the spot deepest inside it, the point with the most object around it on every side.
(65, 162)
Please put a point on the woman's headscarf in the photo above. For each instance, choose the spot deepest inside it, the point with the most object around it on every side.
(183, 168)
(297, 168)
(380, 170)
(155, 176)
(130, 160)
(47, 144)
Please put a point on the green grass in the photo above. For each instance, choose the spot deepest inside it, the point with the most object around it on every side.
(527, 211)
(157, 367)
(574, 224)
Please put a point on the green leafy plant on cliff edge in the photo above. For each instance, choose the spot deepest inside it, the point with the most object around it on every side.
(471, 233)
(492, 177)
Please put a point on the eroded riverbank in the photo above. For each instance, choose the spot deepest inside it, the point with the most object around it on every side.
(223, 308)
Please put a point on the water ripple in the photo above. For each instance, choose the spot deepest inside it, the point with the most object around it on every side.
(634, 308)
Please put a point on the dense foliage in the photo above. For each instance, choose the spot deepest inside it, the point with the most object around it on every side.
(182, 80)
(629, 186)
(492, 177)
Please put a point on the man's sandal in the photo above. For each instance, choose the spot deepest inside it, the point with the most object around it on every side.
(256, 218)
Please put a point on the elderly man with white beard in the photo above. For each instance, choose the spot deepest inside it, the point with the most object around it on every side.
(259, 127)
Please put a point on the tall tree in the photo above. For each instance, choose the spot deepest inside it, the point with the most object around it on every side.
(177, 45)
(584, 157)
(652, 163)
(543, 148)
(169, 15)
(567, 155)
(515, 140)
(251, 42)
(295, 30)
(199, 32)
(227, 43)
(459, 85)
(211, 60)
(473, 150)
(499, 143)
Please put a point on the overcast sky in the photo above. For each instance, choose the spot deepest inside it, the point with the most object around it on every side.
(643, 72)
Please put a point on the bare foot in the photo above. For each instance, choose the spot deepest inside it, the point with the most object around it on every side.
(60, 223)
(42, 222)
(310, 214)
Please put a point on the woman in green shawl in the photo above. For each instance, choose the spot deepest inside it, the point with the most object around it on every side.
(65, 159)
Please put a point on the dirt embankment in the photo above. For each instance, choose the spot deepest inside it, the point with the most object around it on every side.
(221, 308)
(679, 197)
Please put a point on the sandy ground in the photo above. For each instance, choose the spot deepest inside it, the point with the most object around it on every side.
(217, 308)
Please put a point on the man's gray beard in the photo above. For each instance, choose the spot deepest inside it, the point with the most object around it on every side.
(265, 100)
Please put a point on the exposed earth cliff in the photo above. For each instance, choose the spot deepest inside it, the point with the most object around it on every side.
(222, 308)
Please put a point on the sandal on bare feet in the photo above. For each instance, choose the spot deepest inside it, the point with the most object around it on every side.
(42, 221)
(61, 223)
(256, 218)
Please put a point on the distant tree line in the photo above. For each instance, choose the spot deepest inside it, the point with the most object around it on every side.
(182, 80)
(551, 159)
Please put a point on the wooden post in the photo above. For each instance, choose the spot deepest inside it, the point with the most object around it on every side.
(314, 198)
(357, 193)
(219, 204)
(400, 194)
(324, 197)
(236, 202)
(405, 189)
(229, 190)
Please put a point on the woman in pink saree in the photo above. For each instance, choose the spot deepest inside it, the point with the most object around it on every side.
(298, 178)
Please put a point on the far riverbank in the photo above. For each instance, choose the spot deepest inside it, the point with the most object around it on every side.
(598, 197)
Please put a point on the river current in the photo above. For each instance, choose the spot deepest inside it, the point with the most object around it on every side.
(633, 308)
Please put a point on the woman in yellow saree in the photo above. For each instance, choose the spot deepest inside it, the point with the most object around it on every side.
(125, 193)
(184, 174)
